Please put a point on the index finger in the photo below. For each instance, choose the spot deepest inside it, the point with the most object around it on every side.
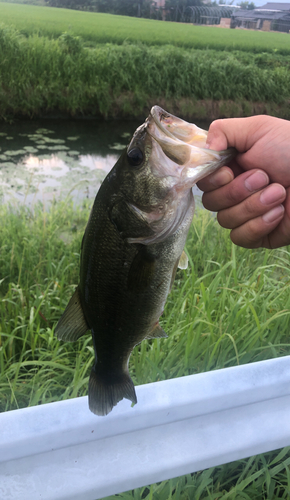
(234, 193)
(218, 179)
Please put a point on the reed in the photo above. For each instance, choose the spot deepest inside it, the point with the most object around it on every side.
(40, 75)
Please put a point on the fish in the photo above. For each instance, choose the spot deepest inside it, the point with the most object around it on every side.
(132, 246)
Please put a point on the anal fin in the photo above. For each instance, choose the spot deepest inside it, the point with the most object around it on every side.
(72, 324)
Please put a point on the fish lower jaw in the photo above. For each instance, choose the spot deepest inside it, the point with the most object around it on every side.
(191, 175)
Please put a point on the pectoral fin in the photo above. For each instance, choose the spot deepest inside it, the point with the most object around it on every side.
(157, 333)
(72, 324)
(183, 261)
(142, 270)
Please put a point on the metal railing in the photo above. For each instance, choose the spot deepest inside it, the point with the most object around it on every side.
(61, 451)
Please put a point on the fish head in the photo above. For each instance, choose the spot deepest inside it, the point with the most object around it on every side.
(163, 161)
(178, 150)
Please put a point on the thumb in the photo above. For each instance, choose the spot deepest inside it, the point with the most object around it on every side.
(232, 132)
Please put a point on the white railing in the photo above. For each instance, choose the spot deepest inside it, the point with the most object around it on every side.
(62, 451)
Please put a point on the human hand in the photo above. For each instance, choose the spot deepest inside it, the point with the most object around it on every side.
(257, 213)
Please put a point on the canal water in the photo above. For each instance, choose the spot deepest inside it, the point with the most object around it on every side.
(53, 159)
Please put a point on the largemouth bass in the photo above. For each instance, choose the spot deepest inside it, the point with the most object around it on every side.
(132, 246)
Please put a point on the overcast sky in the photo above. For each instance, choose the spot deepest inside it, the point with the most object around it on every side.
(263, 2)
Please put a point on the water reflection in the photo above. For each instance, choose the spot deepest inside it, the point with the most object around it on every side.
(42, 163)
(103, 163)
(58, 175)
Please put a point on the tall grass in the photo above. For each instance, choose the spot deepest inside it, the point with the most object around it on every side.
(103, 28)
(40, 75)
(231, 306)
(36, 266)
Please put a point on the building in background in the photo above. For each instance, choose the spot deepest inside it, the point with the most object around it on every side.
(269, 17)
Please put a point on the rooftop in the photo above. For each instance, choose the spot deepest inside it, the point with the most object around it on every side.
(275, 6)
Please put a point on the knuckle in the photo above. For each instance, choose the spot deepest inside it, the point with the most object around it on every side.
(250, 208)
(215, 125)
(234, 194)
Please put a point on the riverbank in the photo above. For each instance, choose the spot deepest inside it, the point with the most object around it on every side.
(43, 76)
(125, 108)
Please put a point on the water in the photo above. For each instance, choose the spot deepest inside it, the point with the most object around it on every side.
(51, 159)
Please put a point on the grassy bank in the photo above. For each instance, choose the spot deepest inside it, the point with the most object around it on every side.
(231, 306)
(104, 28)
(58, 62)
(40, 75)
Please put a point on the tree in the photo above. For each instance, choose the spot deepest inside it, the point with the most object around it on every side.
(247, 5)
(136, 8)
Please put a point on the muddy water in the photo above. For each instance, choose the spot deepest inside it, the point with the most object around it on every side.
(46, 160)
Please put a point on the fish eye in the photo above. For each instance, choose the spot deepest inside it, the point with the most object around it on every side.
(135, 157)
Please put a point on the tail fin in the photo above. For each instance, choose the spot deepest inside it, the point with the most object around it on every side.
(103, 396)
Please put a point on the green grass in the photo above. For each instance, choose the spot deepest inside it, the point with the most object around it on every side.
(103, 28)
(40, 75)
(231, 306)
(60, 61)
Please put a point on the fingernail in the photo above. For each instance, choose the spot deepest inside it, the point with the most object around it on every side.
(272, 194)
(256, 181)
(221, 178)
(273, 214)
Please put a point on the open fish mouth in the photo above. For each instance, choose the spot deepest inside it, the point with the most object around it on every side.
(178, 129)
(184, 144)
